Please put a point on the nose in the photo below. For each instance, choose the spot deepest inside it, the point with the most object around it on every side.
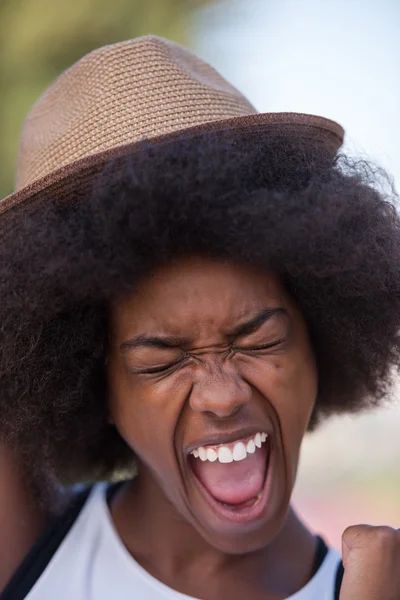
(219, 389)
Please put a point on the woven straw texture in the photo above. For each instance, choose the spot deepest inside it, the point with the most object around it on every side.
(116, 97)
(112, 97)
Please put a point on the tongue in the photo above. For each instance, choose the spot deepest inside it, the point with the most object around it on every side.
(235, 482)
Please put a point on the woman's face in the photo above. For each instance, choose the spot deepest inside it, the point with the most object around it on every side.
(212, 384)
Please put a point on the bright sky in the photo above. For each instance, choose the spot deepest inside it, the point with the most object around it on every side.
(336, 58)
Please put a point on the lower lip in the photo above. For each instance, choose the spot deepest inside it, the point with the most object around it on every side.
(249, 512)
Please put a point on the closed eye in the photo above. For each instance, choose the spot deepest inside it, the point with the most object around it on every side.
(161, 369)
(259, 348)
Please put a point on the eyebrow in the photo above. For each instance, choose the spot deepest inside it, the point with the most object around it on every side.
(168, 341)
(255, 322)
(178, 342)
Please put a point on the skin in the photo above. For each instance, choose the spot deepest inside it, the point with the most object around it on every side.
(215, 315)
(371, 558)
(22, 519)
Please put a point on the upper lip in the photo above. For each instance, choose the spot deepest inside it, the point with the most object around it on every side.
(228, 437)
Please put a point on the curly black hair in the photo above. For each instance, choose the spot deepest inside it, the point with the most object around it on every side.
(327, 226)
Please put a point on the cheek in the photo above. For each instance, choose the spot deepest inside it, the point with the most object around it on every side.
(289, 383)
(296, 382)
(146, 414)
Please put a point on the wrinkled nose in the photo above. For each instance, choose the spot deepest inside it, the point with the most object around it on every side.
(219, 389)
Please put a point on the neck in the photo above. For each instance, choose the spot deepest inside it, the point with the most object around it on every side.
(22, 519)
(173, 551)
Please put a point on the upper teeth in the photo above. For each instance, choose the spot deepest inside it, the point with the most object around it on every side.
(226, 453)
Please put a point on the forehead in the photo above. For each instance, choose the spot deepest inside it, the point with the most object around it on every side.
(196, 295)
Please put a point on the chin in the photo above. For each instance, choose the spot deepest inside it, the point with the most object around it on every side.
(250, 523)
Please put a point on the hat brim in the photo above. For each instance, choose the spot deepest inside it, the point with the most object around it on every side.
(75, 179)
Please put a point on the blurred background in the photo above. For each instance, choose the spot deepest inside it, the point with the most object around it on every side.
(336, 58)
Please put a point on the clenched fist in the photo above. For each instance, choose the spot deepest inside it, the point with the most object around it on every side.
(371, 559)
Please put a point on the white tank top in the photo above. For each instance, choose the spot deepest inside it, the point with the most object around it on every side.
(92, 563)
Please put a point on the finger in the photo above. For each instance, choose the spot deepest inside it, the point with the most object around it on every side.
(353, 537)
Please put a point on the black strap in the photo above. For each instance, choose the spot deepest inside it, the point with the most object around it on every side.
(338, 580)
(112, 492)
(320, 554)
(43, 551)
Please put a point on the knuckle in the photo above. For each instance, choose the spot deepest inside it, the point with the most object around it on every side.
(352, 530)
(385, 536)
(382, 538)
(355, 533)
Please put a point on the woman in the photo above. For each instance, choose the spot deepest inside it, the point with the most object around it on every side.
(187, 288)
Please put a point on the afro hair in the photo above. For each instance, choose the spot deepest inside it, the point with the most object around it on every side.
(328, 228)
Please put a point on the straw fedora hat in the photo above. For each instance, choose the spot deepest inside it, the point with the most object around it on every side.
(115, 98)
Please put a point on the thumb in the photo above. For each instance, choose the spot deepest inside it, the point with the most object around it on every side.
(352, 540)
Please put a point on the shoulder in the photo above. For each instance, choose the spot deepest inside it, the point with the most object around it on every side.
(48, 551)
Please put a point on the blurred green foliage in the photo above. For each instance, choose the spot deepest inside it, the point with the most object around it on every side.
(41, 38)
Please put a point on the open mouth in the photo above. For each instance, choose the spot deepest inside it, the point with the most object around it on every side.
(234, 478)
